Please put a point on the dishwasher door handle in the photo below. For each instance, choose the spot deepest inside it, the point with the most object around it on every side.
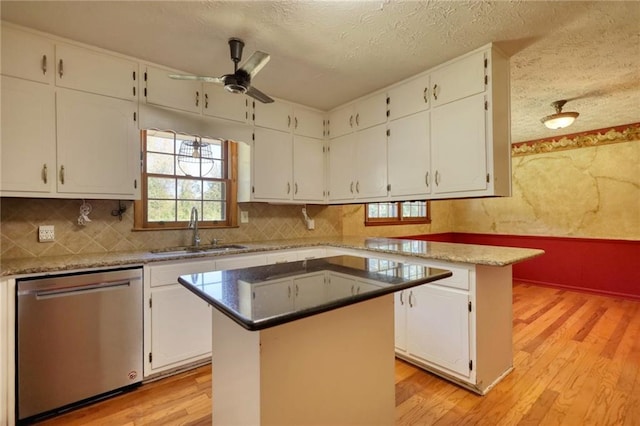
(91, 288)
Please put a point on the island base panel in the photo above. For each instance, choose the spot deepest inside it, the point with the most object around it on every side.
(333, 368)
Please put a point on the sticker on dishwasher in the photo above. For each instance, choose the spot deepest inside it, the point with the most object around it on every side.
(133, 374)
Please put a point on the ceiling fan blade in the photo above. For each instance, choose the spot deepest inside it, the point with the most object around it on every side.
(216, 80)
(258, 95)
(255, 63)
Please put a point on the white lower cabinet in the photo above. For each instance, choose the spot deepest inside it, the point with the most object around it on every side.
(177, 324)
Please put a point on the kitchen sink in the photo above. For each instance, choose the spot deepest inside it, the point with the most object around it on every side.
(200, 249)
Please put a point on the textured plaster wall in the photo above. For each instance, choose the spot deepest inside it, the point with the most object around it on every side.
(20, 218)
(591, 192)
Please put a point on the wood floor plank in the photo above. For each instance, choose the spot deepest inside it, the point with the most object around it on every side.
(576, 361)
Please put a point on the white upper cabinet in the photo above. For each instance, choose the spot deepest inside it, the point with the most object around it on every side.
(462, 78)
(222, 104)
(409, 156)
(185, 95)
(470, 127)
(272, 165)
(96, 72)
(342, 173)
(277, 115)
(307, 122)
(308, 169)
(97, 139)
(27, 56)
(361, 115)
(409, 97)
(28, 137)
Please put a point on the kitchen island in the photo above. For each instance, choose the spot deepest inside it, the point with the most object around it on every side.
(306, 342)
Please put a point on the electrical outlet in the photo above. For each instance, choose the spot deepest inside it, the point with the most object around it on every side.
(46, 233)
(244, 216)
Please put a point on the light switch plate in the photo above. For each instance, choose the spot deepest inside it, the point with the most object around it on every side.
(46, 233)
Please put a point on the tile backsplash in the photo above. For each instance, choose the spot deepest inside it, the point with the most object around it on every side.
(20, 218)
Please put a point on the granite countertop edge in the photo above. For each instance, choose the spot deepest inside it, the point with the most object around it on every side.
(447, 252)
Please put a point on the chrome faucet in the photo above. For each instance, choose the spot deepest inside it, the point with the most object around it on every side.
(193, 224)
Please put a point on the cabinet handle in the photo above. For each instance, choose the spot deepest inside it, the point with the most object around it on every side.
(425, 95)
(435, 95)
(297, 290)
(352, 292)
(410, 294)
(358, 290)
(45, 173)
(351, 187)
(295, 121)
(62, 175)
(197, 98)
(358, 187)
(426, 179)
(357, 119)
(288, 121)
(206, 100)
(437, 178)
(44, 64)
(289, 291)
(351, 120)
(402, 298)
(61, 68)
(295, 188)
(288, 187)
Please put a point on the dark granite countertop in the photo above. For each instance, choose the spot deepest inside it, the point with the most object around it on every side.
(296, 290)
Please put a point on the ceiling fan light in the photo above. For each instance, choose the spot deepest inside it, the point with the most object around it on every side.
(560, 120)
(235, 88)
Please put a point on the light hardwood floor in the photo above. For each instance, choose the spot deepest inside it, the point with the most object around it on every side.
(576, 359)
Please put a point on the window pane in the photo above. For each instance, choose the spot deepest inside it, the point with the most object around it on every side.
(189, 189)
(214, 210)
(213, 169)
(160, 163)
(160, 143)
(214, 191)
(161, 188)
(184, 209)
(161, 211)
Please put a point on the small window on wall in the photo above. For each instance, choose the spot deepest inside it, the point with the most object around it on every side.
(181, 172)
(398, 213)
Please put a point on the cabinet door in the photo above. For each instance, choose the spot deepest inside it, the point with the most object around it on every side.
(409, 98)
(308, 123)
(371, 159)
(95, 72)
(272, 165)
(309, 291)
(28, 136)
(272, 299)
(240, 262)
(27, 56)
(220, 103)
(342, 167)
(308, 168)
(97, 140)
(458, 140)
(277, 115)
(371, 111)
(400, 319)
(409, 155)
(462, 78)
(180, 327)
(185, 95)
(438, 327)
(339, 286)
(341, 122)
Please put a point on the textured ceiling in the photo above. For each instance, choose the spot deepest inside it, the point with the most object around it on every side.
(325, 53)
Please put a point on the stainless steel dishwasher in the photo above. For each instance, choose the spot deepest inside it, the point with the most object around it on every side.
(79, 337)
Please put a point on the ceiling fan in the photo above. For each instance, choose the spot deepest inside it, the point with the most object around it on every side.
(240, 80)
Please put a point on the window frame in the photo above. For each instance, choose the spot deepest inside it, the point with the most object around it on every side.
(399, 220)
(230, 165)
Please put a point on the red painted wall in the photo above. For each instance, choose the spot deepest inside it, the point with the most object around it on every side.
(596, 265)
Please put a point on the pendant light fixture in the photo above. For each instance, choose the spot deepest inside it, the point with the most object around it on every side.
(560, 119)
(195, 157)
